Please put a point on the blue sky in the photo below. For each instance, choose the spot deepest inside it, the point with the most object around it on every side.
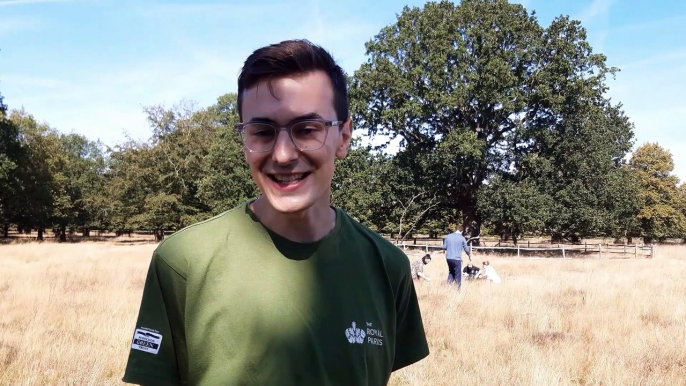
(89, 66)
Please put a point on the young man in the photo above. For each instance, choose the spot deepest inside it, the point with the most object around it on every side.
(418, 268)
(454, 244)
(283, 290)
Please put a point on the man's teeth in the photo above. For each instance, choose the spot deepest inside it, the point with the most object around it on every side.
(288, 178)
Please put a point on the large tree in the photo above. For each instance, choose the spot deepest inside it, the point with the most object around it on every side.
(477, 90)
(41, 187)
(226, 180)
(77, 203)
(660, 213)
(10, 158)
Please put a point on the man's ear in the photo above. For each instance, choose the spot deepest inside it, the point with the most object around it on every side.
(346, 135)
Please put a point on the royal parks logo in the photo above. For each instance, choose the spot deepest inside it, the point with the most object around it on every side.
(369, 335)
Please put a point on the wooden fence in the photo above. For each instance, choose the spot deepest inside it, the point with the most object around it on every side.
(602, 250)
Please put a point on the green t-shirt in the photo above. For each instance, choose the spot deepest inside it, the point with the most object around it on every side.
(228, 302)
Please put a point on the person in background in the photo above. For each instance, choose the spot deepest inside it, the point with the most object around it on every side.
(471, 271)
(490, 274)
(418, 268)
(453, 245)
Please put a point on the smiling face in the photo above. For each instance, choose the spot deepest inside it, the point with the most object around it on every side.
(292, 180)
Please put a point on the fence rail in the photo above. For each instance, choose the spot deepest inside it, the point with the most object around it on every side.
(600, 249)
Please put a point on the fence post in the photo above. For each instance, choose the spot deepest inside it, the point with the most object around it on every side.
(470, 250)
(624, 248)
(563, 251)
(517, 250)
(528, 244)
(427, 248)
(636, 251)
(652, 251)
(585, 247)
(600, 251)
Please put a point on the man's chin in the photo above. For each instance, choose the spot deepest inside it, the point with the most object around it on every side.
(289, 206)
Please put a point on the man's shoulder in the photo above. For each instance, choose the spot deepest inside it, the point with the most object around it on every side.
(456, 236)
(195, 239)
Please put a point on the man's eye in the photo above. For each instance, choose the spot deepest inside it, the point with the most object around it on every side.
(306, 130)
(261, 131)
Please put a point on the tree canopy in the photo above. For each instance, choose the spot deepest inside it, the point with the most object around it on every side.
(480, 91)
(503, 125)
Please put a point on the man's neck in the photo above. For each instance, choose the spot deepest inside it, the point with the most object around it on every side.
(308, 226)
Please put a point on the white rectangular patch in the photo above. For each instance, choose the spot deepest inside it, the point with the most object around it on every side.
(146, 341)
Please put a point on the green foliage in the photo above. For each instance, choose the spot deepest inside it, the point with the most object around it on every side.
(226, 180)
(503, 126)
(10, 157)
(476, 91)
(514, 209)
(661, 213)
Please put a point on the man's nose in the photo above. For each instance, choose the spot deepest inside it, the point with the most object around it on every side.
(284, 151)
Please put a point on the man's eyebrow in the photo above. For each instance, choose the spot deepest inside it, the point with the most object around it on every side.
(303, 117)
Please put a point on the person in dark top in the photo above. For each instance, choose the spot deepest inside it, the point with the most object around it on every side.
(471, 271)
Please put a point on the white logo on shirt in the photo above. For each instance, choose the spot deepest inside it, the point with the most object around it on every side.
(358, 335)
(354, 334)
(146, 340)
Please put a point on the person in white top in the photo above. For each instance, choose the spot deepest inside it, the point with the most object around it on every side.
(489, 273)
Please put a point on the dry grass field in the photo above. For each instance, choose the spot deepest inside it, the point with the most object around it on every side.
(67, 313)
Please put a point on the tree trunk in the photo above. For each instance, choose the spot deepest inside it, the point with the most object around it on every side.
(41, 230)
(159, 235)
(20, 229)
(471, 223)
(647, 240)
(63, 233)
(629, 240)
(86, 232)
(6, 231)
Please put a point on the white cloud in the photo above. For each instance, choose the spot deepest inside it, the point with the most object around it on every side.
(671, 56)
(651, 90)
(596, 9)
(24, 81)
(651, 24)
(209, 9)
(16, 24)
(4, 3)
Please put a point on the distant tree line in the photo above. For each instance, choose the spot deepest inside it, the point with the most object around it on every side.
(503, 124)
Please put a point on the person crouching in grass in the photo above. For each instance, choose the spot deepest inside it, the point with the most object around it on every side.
(418, 268)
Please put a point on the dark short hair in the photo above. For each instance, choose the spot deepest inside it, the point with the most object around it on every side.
(427, 256)
(292, 57)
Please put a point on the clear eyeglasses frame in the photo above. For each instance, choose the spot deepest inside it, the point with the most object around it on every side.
(306, 135)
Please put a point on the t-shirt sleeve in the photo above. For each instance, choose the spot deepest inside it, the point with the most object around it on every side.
(410, 339)
(158, 354)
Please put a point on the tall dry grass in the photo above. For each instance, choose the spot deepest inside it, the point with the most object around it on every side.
(557, 322)
(67, 314)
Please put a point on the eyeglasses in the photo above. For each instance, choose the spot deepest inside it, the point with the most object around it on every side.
(308, 135)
